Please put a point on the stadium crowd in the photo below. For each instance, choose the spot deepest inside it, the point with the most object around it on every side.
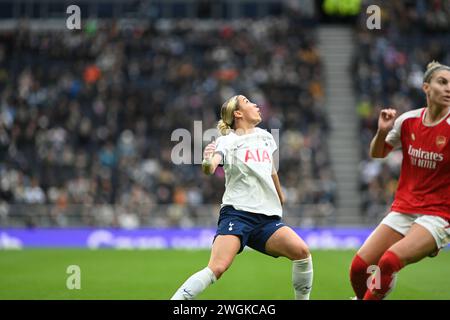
(388, 72)
(86, 118)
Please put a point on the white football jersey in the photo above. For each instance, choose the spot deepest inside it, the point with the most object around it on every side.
(247, 161)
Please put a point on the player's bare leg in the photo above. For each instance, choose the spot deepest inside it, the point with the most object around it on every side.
(224, 249)
(381, 239)
(416, 245)
(285, 242)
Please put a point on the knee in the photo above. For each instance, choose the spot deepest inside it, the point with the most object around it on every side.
(301, 252)
(358, 266)
(384, 261)
(390, 262)
(218, 269)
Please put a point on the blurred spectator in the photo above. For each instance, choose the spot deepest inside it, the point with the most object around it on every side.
(33, 194)
(91, 114)
(388, 72)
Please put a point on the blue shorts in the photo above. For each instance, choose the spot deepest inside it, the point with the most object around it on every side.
(253, 229)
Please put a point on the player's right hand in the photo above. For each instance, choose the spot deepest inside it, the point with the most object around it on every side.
(386, 120)
(209, 151)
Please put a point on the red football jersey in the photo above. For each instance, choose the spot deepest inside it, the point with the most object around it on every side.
(424, 184)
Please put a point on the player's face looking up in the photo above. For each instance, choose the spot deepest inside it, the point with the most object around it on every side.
(248, 112)
(438, 88)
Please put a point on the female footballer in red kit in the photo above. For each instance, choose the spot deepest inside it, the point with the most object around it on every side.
(418, 224)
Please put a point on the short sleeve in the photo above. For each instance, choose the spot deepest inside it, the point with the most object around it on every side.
(272, 144)
(269, 140)
(221, 148)
(393, 138)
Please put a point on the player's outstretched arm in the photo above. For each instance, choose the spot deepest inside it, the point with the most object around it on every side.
(378, 147)
(210, 159)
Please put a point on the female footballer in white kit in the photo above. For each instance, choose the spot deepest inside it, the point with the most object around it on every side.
(251, 207)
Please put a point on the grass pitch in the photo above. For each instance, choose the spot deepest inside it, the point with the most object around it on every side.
(156, 274)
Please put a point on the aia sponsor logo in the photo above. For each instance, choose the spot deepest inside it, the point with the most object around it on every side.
(257, 156)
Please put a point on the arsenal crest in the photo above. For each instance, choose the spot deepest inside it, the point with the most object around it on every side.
(441, 141)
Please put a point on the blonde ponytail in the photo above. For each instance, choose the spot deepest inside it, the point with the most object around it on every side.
(431, 68)
(226, 122)
(223, 128)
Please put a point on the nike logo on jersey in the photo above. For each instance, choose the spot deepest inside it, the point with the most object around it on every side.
(278, 224)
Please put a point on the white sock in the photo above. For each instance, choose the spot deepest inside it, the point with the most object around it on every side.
(302, 278)
(195, 285)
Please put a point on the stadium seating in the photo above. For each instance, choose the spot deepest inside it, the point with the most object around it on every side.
(86, 121)
(388, 71)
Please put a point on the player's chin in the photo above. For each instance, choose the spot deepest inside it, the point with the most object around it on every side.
(445, 101)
